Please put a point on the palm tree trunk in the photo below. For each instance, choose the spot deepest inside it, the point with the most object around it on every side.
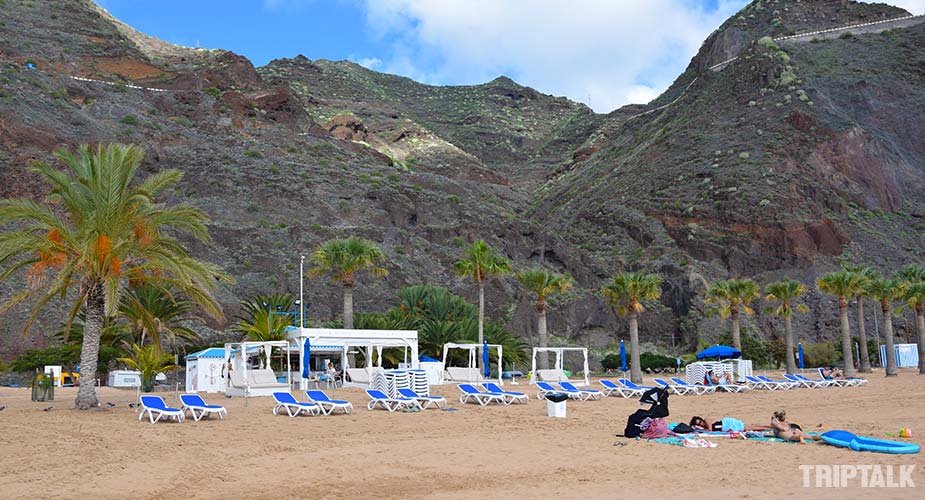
(862, 337)
(736, 337)
(635, 367)
(348, 307)
(90, 348)
(542, 360)
(891, 370)
(920, 326)
(788, 342)
(481, 322)
(846, 339)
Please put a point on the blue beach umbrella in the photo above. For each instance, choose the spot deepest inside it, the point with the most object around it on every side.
(622, 356)
(485, 358)
(800, 356)
(306, 357)
(719, 351)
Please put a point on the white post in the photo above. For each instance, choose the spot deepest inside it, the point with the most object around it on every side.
(587, 379)
(533, 368)
(301, 294)
(289, 366)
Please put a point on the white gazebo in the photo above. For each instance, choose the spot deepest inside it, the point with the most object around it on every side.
(365, 341)
(471, 372)
(259, 380)
(557, 374)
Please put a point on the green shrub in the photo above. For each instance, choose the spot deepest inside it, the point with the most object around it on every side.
(846, 35)
(129, 120)
(214, 92)
(768, 43)
(821, 353)
(253, 153)
(183, 121)
(656, 363)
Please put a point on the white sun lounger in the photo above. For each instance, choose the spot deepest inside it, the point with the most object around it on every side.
(327, 404)
(151, 405)
(470, 392)
(424, 401)
(193, 403)
(610, 388)
(680, 390)
(509, 396)
(293, 408)
(382, 400)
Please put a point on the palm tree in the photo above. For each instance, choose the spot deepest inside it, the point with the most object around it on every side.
(149, 360)
(866, 274)
(844, 284)
(733, 297)
(786, 292)
(343, 259)
(887, 291)
(96, 228)
(625, 293)
(259, 321)
(543, 283)
(480, 263)
(914, 276)
(156, 314)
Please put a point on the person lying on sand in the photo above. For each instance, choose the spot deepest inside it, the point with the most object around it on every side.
(702, 424)
(785, 430)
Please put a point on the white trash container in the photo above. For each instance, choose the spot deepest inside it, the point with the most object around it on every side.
(555, 405)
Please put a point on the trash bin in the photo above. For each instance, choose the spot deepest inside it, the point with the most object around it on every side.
(555, 404)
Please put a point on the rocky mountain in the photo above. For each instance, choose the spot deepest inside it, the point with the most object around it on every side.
(794, 155)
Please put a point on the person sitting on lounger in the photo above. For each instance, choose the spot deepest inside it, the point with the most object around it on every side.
(786, 430)
(832, 373)
(711, 378)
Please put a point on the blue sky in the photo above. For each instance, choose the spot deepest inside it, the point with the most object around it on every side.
(604, 53)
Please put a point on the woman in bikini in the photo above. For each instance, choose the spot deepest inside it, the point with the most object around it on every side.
(785, 430)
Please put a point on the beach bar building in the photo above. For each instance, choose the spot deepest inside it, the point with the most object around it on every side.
(347, 343)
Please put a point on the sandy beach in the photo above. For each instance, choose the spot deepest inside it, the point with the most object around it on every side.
(485, 452)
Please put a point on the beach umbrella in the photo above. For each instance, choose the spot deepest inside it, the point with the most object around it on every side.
(306, 356)
(622, 356)
(485, 358)
(800, 356)
(719, 351)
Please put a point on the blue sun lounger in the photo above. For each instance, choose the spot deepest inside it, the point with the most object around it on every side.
(470, 392)
(585, 394)
(781, 384)
(327, 404)
(805, 382)
(293, 408)
(509, 396)
(546, 388)
(193, 403)
(381, 399)
(756, 383)
(680, 390)
(156, 405)
(424, 401)
(610, 388)
(698, 388)
(629, 383)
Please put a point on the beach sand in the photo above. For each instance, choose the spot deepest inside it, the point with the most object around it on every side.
(486, 452)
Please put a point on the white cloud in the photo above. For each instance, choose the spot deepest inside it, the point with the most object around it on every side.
(606, 53)
(368, 62)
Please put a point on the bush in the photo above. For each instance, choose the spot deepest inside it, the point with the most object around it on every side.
(129, 120)
(611, 362)
(67, 355)
(820, 354)
(183, 121)
(768, 43)
(214, 92)
(651, 362)
(846, 35)
(253, 153)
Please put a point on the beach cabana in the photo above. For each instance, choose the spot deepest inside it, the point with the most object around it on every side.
(204, 370)
(251, 372)
(366, 342)
(469, 373)
(557, 373)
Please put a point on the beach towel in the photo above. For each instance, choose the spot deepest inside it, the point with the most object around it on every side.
(731, 424)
